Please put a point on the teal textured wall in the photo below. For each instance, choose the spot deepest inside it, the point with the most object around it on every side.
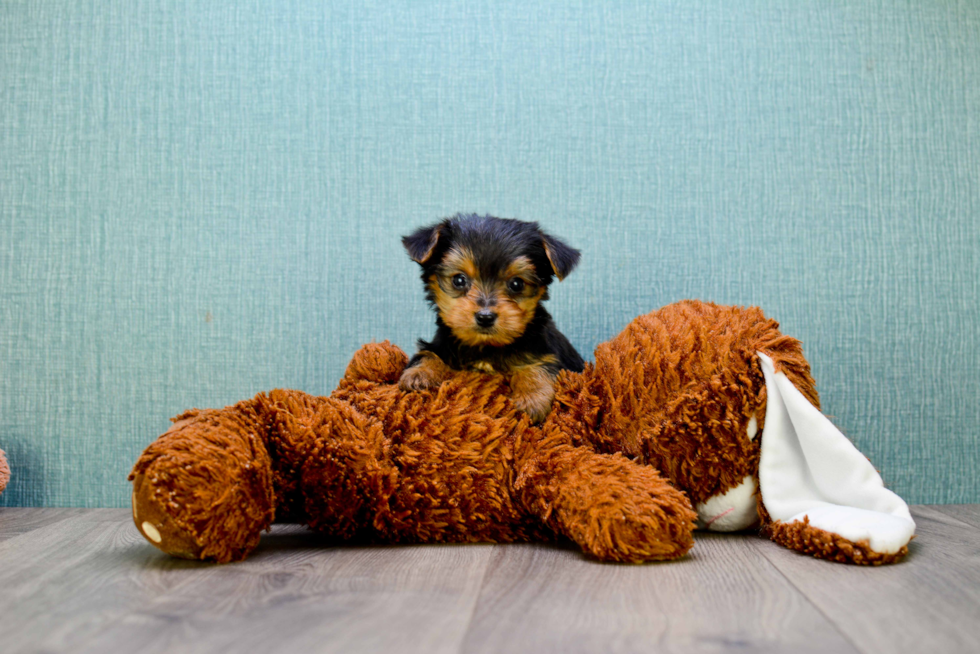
(202, 200)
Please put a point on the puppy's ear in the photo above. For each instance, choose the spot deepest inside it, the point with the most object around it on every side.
(422, 243)
(563, 258)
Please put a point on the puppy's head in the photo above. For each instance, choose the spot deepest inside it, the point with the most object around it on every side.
(486, 276)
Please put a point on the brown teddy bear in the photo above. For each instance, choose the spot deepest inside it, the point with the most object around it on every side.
(696, 415)
(4, 471)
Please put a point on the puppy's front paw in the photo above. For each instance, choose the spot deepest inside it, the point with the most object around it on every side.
(418, 378)
(536, 404)
(533, 390)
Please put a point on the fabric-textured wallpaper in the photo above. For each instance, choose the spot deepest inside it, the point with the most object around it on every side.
(201, 201)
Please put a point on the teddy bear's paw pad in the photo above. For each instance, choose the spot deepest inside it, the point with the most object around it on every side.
(151, 532)
(160, 529)
(733, 510)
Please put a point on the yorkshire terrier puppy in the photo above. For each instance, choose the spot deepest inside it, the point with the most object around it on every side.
(486, 278)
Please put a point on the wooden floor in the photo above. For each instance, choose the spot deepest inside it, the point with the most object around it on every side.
(77, 580)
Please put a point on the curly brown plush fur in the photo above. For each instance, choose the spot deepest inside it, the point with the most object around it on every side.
(4, 471)
(676, 390)
(803, 537)
(657, 422)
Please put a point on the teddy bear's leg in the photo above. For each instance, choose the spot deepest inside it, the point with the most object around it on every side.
(204, 489)
(613, 508)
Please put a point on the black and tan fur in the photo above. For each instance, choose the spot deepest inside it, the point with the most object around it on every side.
(487, 278)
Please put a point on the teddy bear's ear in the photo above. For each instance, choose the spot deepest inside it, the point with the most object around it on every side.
(422, 243)
(563, 258)
(818, 488)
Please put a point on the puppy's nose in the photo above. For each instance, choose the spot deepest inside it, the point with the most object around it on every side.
(485, 318)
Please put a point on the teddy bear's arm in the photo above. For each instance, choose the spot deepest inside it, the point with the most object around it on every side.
(210, 485)
(613, 508)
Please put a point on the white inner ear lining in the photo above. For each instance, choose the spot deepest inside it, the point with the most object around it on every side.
(809, 470)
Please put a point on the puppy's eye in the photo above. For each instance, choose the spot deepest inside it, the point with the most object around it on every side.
(516, 285)
(459, 281)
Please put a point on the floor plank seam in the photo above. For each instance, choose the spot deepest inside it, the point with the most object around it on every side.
(760, 546)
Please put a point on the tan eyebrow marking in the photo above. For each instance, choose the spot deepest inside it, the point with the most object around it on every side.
(521, 267)
(459, 259)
